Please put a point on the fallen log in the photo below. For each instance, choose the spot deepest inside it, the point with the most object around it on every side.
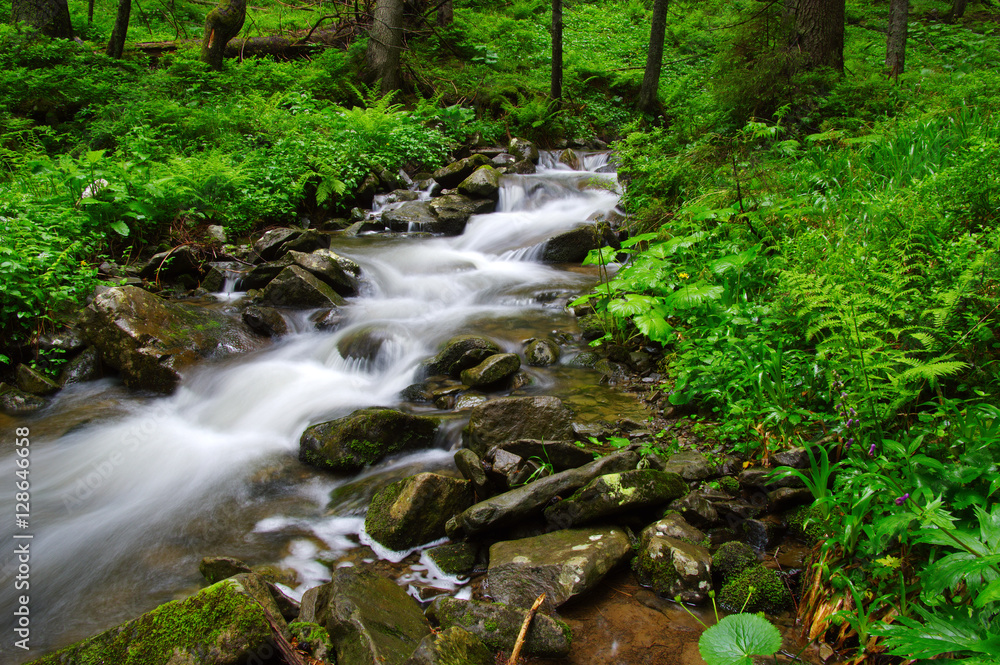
(278, 46)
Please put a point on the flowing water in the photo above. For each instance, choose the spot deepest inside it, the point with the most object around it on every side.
(129, 492)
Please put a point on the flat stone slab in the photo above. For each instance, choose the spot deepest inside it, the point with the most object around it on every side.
(561, 564)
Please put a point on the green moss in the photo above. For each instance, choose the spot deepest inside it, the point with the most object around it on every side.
(219, 618)
(807, 524)
(769, 592)
(660, 576)
(491, 626)
(729, 484)
(731, 559)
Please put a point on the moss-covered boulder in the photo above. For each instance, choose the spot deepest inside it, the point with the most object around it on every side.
(339, 272)
(484, 183)
(541, 352)
(561, 564)
(32, 381)
(513, 418)
(675, 526)
(571, 246)
(691, 465)
(15, 402)
(411, 216)
(85, 367)
(614, 494)
(454, 210)
(296, 287)
(223, 624)
(571, 158)
(370, 619)
(759, 587)
(460, 353)
(348, 444)
(313, 639)
(151, 340)
(265, 321)
(492, 371)
(277, 242)
(451, 175)
(529, 500)
(498, 625)
(454, 558)
(452, 646)
(413, 511)
(673, 567)
(523, 149)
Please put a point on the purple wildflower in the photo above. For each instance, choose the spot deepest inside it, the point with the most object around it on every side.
(850, 442)
(871, 451)
(902, 499)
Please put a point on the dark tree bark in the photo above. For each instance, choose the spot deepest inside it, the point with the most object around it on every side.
(654, 59)
(555, 87)
(957, 10)
(385, 44)
(50, 17)
(116, 45)
(446, 13)
(819, 32)
(90, 11)
(895, 43)
(222, 24)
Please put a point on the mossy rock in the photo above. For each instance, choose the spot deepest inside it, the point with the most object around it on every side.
(616, 493)
(492, 371)
(498, 625)
(673, 567)
(313, 639)
(452, 646)
(484, 183)
(459, 353)
(731, 559)
(451, 175)
(348, 444)
(454, 558)
(807, 524)
(769, 592)
(221, 625)
(413, 511)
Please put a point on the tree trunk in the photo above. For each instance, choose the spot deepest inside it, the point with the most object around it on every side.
(446, 13)
(654, 59)
(116, 45)
(385, 44)
(222, 24)
(555, 88)
(895, 43)
(957, 10)
(50, 17)
(819, 32)
(90, 11)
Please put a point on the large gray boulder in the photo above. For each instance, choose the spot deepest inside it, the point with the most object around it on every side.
(278, 242)
(561, 455)
(174, 264)
(459, 353)
(295, 287)
(493, 370)
(411, 216)
(529, 500)
(454, 210)
(370, 619)
(513, 418)
(523, 149)
(541, 352)
(484, 183)
(561, 564)
(339, 272)
(451, 175)
(228, 623)
(348, 444)
(571, 246)
(498, 625)
(413, 511)
(614, 494)
(151, 340)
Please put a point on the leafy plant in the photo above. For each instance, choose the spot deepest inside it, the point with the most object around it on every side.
(737, 638)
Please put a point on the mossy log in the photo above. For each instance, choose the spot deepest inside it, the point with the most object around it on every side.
(222, 24)
(270, 45)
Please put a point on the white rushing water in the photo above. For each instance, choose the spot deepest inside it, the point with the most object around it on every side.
(124, 507)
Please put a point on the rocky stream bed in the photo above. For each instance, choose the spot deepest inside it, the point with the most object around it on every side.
(380, 441)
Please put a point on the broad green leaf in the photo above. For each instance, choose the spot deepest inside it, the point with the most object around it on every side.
(738, 637)
(120, 227)
(989, 594)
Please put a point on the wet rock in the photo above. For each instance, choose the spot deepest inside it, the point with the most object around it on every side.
(364, 343)
(616, 493)
(278, 242)
(224, 624)
(673, 567)
(412, 216)
(348, 444)
(399, 196)
(370, 619)
(523, 149)
(522, 167)
(470, 465)
(491, 371)
(68, 339)
(764, 533)
(570, 158)
(696, 509)
(217, 273)
(151, 340)
(85, 367)
(761, 480)
(173, 264)
(339, 272)
(561, 564)
(571, 246)
(498, 626)
(313, 639)
(217, 568)
(674, 526)
(450, 176)
(328, 319)
(731, 559)
(34, 382)
(484, 183)
(14, 402)
(561, 455)
(452, 646)
(413, 511)
(454, 558)
(736, 512)
(259, 276)
(785, 498)
(295, 287)
(265, 321)
(513, 418)
(216, 234)
(503, 159)
(797, 458)
(769, 592)
(454, 210)
(460, 353)
(541, 352)
(529, 500)
(691, 465)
